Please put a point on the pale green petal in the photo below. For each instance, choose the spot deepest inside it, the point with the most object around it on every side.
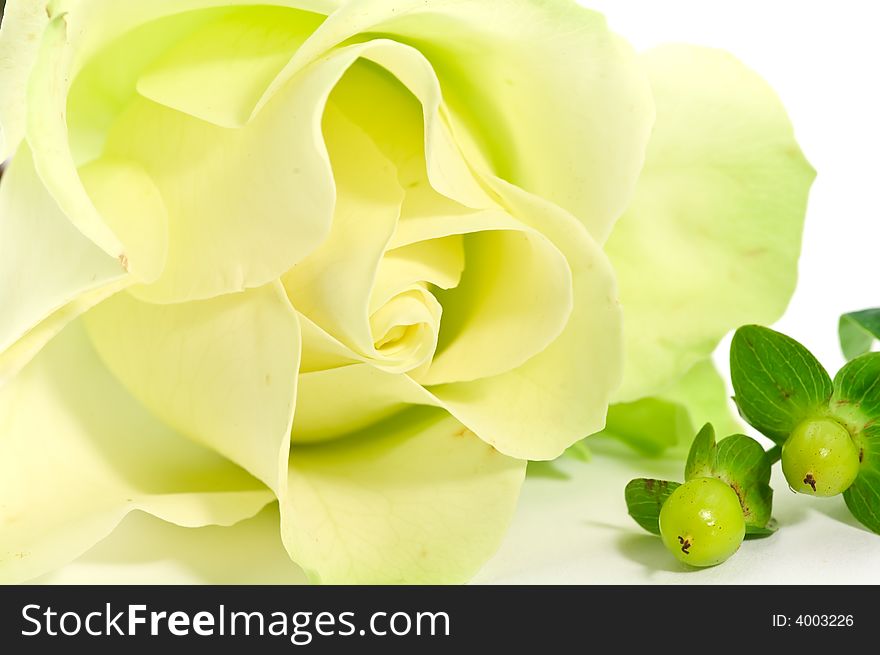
(513, 300)
(23, 23)
(416, 499)
(407, 328)
(77, 453)
(332, 285)
(361, 393)
(17, 356)
(320, 351)
(79, 31)
(133, 207)
(398, 129)
(221, 371)
(712, 238)
(46, 265)
(562, 394)
(438, 262)
(501, 73)
(146, 550)
(244, 205)
(219, 72)
(407, 74)
(337, 402)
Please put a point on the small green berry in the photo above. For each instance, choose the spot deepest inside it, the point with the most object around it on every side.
(820, 458)
(702, 522)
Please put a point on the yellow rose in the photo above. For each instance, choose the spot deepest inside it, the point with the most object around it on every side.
(356, 257)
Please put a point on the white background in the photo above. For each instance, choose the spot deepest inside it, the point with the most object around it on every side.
(823, 59)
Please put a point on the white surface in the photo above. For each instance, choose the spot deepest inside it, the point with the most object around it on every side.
(823, 60)
(577, 531)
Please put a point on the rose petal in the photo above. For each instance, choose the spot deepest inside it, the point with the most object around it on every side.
(23, 23)
(336, 403)
(146, 550)
(221, 371)
(560, 395)
(78, 32)
(503, 91)
(332, 285)
(244, 204)
(47, 268)
(219, 72)
(438, 262)
(416, 499)
(77, 453)
(718, 213)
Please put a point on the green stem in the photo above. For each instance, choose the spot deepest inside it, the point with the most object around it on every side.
(774, 454)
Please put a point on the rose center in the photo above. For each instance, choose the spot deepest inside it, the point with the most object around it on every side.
(405, 328)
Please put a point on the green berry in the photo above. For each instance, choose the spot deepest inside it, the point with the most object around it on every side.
(702, 522)
(820, 458)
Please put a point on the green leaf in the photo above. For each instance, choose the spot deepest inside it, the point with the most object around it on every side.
(863, 499)
(644, 498)
(778, 383)
(665, 424)
(547, 469)
(856, 398)
(701, 459)
(856, 403)
(579, 451)
(650, 426)
(858, 331)
(755, 532)
(742, 463)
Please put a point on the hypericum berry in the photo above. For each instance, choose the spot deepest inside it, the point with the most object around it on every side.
(820, 458)
(702, 522)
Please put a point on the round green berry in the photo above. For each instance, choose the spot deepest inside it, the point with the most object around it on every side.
(820, 458)
(702, 522)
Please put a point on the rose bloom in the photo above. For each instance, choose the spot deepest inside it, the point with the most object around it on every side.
(363, 259)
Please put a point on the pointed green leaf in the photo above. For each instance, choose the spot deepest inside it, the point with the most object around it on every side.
(858, 331)
(742, 463)
(644, 498)
(856, 404)
(778, 383)
(755, 532)
(856, 399)
(863, 500)
(701, 459)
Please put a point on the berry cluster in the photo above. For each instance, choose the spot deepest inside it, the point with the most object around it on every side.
(827, 435)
